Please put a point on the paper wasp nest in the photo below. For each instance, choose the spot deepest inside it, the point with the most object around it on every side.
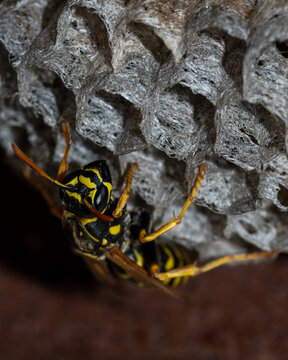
(169, 84)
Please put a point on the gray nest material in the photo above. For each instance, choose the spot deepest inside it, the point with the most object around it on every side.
(169, 84)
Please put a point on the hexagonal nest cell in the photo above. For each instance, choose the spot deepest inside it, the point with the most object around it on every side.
(169, 84)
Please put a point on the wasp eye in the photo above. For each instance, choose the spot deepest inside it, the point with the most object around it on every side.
(101, 198)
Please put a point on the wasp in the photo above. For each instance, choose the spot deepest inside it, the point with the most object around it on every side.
(114, 241)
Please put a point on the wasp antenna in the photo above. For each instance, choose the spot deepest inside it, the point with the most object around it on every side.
(33, 166)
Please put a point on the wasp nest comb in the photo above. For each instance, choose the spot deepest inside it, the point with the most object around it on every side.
(169, 84)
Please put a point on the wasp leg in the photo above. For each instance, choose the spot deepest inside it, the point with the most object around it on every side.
(194, 269)
(63, 167)
(54, 208)
(144, 237)
(126, 192)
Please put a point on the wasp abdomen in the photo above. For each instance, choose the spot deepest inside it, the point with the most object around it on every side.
(160, 256)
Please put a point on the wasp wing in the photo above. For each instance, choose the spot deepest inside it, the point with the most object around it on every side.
(100, 271)
(114, 254)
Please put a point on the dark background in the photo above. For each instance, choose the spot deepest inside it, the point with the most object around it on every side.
(51, 308)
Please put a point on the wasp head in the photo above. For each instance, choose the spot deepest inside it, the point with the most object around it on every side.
(92, 184)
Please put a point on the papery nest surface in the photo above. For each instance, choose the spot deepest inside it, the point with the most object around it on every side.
(170, 85)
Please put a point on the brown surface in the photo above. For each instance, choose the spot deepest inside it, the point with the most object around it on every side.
(51, 309)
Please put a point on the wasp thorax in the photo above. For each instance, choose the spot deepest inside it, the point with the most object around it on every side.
(91, 183)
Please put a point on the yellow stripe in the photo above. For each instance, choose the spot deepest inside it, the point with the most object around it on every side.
(87, 182)
(177, 281)
(139, 258)
(73, 182)
(92, 237)
(114, 230)
(170, 263)
(97, 173)
(75, 195)
(180, 258)
(92, 194)
(108, 186)
(85, 221)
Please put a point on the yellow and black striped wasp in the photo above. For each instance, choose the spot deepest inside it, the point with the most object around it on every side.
(117, 242)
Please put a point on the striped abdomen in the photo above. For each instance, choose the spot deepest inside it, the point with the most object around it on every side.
(165, 256)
